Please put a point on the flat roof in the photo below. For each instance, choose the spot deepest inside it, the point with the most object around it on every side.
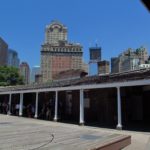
(96, 80)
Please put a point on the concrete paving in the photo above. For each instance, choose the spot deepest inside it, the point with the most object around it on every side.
(18, 133)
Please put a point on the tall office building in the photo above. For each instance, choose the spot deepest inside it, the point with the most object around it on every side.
(57, 54)
(103, 67)
(129, 60)
(36, 70)
(142, 54)
(95, 54)
(13, 59)
(95, 57)
(3, 52)
(25, 72)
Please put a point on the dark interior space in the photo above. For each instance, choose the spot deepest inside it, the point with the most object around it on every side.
(29, 104)
(68, 107)
(46, 105)
(101, 107)
(4, 99)
(135, 108)
(15, 101)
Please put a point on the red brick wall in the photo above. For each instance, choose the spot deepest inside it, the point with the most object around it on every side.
(60, 63)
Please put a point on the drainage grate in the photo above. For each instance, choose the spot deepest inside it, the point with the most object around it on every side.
(90, 137)
(5, 123)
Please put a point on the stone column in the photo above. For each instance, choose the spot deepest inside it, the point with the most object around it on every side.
(36, 106)
(81, 107)
(21, 104)
(9, 105)
(119, 125)
(56, 106)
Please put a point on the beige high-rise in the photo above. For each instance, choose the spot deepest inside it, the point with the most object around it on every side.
(24, 70)
(129, 60)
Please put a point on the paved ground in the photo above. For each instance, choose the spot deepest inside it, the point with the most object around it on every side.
(17, 133)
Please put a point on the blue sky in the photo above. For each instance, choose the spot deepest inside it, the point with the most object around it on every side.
(115, 24)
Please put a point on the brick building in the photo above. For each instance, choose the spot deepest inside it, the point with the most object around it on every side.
(57, 54)
(112, 100)
(103, 67)
(70, 74)
(3, 52)
(25, 72)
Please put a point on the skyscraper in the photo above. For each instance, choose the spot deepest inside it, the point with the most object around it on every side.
(13, 59)
(95, 54)
(36, 70)
(3, 52)
(25, 72)
(129, 60)
(95, 57)
(57, 54)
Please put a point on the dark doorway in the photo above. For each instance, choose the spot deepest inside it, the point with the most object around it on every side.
(68, 106)
(4, 100)
(15, 102)
(101, 107)
(29, 104)
(46, 105)
(135, 108)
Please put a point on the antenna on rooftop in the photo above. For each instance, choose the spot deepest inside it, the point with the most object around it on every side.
(96, 43)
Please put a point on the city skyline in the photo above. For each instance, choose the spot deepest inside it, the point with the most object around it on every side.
(114, 27)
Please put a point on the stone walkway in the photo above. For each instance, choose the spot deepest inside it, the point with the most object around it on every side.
(18, 133)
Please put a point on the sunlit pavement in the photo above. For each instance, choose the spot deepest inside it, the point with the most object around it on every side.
(18, 133)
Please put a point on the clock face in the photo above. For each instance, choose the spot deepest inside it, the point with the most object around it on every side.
(55, 28)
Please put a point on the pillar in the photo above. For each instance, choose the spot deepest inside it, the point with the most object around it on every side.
(56, 106)
(36, 106)
(9, 105)
(81, 107)
(119, 125)
(21, 104)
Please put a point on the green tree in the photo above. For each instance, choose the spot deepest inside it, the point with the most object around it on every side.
(10, 76)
